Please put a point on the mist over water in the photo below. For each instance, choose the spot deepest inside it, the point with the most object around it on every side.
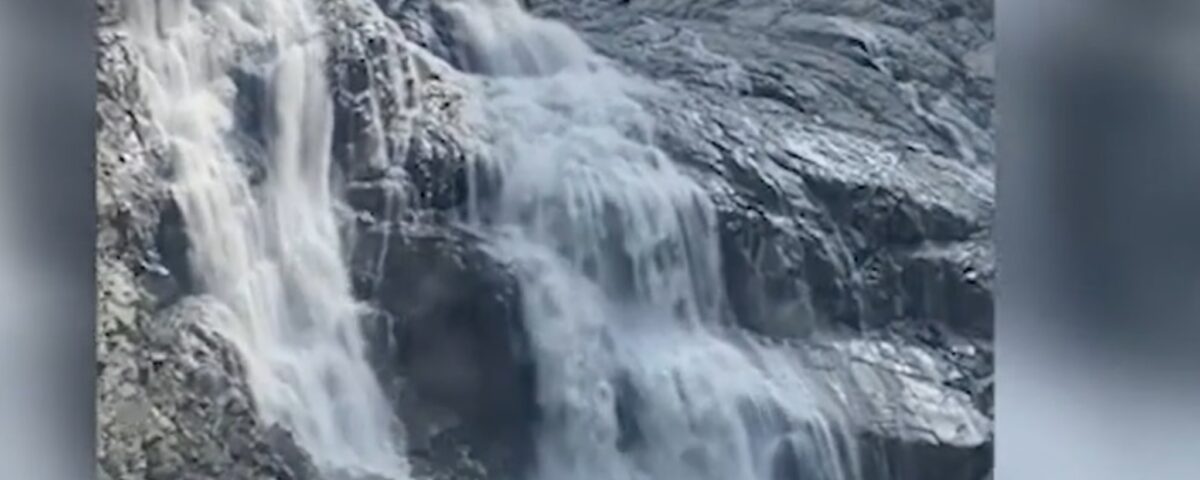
(624, 299)
(270, 254)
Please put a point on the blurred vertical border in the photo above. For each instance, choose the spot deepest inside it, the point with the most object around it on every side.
(1099, 240)
(47, 314)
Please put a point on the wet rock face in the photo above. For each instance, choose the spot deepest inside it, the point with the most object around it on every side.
(397, 136)
(445, 337)
(372, 81)
(456, 322)
(450, 344)
(848, 144)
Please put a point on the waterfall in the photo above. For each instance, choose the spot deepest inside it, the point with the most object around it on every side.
(269, 253)
(618, 256)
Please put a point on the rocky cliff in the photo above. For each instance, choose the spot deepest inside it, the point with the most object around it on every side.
(846, 149)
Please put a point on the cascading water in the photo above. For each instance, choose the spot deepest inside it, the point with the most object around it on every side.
(268, 253)
(621, 275)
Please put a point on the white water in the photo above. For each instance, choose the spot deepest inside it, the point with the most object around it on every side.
(271, 253)
(617, 249)
(621, 276)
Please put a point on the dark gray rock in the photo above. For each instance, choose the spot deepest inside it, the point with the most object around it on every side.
(450, 347)
(397, 125)
(446, 339)
(373, 83)
(948, 284)
(915, 398)
(846, 144)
